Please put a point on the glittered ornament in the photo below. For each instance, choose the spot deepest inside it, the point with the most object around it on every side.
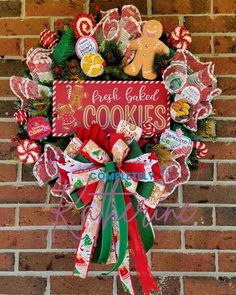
(28, 151)
(180, 38)
(83, 24)
(149, 129)
(48, 38)
(20, 116)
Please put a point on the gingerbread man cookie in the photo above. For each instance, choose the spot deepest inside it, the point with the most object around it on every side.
(146, 47)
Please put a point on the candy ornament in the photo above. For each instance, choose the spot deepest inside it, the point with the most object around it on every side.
(149, 129)
(48, 38)
(201, 149)
(92, 64)
(28, 151)
(180, 38)
(83, 25)
(20, 116)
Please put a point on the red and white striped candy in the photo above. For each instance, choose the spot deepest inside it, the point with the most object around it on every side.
(201, 149)
(48, 38)
(149, 129)
(180, 38)
(83, 24)
(20, 116)
(28, 151)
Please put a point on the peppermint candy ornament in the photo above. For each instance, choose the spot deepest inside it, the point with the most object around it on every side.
(28, 151)
(83, 25)
(48, 38)
(180, 38)
(201, 149)
(20, 116)
(149, 129)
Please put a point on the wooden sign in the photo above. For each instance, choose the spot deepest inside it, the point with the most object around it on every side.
(79, 103)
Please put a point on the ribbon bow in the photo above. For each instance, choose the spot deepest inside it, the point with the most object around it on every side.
(115, 221)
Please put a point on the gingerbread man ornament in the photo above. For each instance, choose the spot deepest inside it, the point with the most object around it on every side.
(146, 47)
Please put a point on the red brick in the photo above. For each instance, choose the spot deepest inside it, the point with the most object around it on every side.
(29, 43)
(227, 262)
(17, 26)
(61, 23)
(201, 44)
(226, 128)
(10, 8)
(224, 107)
(7, 110)
(210, 194)
(221, 150)
(45, 216)
(210, 24)
(226, 171)
(223, 65)
(199, 286)
(226, 6)
(10, 67)
(186, 216)
(226, 216)
(181, 6)
(63, 239)
(172, 199)
(5, 90)
(227, 85)
(23, 285)
(53, 7)
(46, 261)
(22, 194)
(183, 262)
(9, 47)
(7, 216)
(8, 172)
(23, 239)
(167, 286)
(206, 239)
(7, 151)
(168, 22)
(202, 174)
(167, 239)
(6, 262)
(224, 44)
(105, 5)
(68, 285)
(7, 130)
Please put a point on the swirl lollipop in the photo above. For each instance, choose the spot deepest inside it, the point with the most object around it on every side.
(83, 24)
(180, 38)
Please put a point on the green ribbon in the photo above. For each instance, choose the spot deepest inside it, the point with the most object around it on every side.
(107, 218)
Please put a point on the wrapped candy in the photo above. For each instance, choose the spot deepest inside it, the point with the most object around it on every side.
(149, 129)
(39, 63)
(201, 149)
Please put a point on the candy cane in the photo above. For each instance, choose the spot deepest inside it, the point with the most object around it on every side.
(201, 149)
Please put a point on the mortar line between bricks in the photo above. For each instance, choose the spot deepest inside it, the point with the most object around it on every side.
(73, 251)
(115, 285)
(182, 240)
(216, 262)
(181, 285)
(212, 7)
(49, 239)
(48, 287)
(214, 215)
(215, 171)
(149, 7)
(212, 44)
(175, 205)
(44, 274)
(160, 227)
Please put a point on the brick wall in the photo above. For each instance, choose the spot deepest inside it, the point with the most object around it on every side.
(196, 257)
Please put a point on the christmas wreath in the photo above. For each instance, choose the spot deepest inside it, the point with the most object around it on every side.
(112, 111)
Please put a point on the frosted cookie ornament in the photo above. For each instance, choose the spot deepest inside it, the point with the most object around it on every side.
(146, 47)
